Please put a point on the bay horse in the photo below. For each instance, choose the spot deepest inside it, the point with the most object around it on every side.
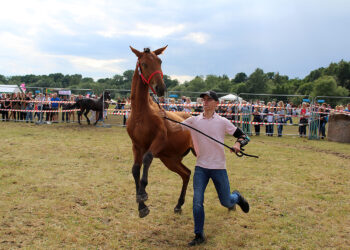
(87, 104)
(150, 134)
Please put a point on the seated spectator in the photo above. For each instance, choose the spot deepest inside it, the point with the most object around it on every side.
(187, 105)
(163, 103)
(199, 106)
(347, 108)
(172, 105)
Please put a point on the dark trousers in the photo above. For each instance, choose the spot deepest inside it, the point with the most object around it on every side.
(269, 130)
(257, 129)
(323, 128)
(5, 115)
(65, 116)
(302, 130)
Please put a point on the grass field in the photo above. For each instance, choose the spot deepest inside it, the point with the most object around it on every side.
(69, 186)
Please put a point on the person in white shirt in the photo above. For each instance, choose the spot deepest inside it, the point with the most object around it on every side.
(211, 163)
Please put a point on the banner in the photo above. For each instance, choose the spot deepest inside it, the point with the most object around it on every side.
(23, 87)
(64, 92)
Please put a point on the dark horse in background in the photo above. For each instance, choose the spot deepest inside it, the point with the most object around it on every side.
(87, 104)
(151, 135)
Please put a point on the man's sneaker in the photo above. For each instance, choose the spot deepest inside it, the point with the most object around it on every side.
(199, 239)
(233, 208)
(243, 203)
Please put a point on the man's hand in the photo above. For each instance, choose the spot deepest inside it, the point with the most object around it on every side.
(236, 148)
(162, 113)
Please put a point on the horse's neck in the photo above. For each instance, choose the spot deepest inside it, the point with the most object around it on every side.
(139, 94)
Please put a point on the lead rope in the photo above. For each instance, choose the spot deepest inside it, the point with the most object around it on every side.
(239, 154)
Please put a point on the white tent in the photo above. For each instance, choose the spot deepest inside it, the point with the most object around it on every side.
(230, 97)
(9, 89)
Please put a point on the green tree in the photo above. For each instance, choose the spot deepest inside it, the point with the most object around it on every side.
(257, 82)
(87, 79)
(195, 85)
(239, 88)
(327, 86)
(240, 77)
(3, 79)
(305, 88)
(169, 83)
(343, 74)
(315, 74)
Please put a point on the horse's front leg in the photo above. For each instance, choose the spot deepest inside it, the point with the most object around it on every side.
(143, 209)
(79, 116)
(156, 146)
(98, 117)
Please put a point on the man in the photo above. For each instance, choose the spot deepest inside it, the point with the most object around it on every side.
(55, 105)
(40, 99)
(29, 107)
(211, 160)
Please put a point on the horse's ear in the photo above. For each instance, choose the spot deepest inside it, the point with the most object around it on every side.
(160, 51)
(136, 52)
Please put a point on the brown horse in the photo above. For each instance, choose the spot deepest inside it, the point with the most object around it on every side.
(151, 135)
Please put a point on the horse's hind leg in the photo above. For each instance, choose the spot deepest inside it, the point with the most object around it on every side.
(87, 118)
(177, 167)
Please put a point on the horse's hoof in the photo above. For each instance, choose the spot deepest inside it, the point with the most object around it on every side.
(141, 197)
(177, 210)
(143, 212)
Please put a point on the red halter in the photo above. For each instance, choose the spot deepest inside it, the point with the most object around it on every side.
(144, 80)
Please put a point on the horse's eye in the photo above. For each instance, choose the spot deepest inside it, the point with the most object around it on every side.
(144, 65)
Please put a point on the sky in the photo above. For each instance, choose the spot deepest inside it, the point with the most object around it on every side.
(92, 37)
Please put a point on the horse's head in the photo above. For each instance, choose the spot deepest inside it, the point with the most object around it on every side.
(107, 96)
(150, 68)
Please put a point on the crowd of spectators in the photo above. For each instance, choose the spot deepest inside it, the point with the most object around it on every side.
(271, 114)
(47, 107)
(40, 107)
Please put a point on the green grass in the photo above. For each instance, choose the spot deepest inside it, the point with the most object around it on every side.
(70, 186)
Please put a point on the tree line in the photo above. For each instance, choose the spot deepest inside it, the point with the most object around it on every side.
(333, 80)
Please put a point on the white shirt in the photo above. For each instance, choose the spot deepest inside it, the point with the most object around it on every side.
(210, 154)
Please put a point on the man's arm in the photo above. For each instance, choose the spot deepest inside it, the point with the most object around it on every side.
(242, 140)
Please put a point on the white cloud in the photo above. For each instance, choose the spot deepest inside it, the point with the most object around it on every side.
(21, 56)
(143, 29)
(90, 64)
(197, 37)
(44, 36)
(182, 78)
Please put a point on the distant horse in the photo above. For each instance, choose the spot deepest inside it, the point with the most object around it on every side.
(151, 135)
(87, 104)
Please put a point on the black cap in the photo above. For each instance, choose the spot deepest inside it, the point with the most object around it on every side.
(211, 94)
